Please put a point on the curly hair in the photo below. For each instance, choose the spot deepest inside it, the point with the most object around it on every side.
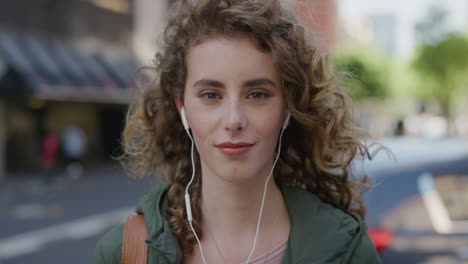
(319, 144)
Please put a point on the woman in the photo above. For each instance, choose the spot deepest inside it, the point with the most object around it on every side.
(244, 80)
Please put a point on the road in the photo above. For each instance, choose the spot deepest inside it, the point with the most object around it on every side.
(62, 223)
(396, 203)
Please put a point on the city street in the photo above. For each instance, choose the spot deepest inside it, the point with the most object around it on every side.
(396, 203)
(62, 223)
(362, 89)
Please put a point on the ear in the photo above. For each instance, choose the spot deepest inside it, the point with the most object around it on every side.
(178, 102)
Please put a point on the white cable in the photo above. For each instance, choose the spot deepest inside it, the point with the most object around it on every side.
(187, 202)
(263, 198)
(193, 165)
(199, 243)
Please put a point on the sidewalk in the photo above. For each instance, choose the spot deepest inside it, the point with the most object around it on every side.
(413, 151)
(24, 185)
(27, 184)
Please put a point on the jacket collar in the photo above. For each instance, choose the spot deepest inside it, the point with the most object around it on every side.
(163, 245)
(319, 231)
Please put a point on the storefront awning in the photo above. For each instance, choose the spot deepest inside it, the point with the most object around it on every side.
(57, 70)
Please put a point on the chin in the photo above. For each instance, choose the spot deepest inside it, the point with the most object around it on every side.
(244, 170)
(238, 175)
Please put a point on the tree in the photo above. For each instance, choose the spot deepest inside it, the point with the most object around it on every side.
(445, 65)
(364, 78)
(441, 59)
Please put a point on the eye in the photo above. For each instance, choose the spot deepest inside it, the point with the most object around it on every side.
(258, 95)
(210, 96)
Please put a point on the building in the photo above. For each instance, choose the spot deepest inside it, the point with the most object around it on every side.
(320, 17)
(63, 63)
(403, 15)
(384, 33)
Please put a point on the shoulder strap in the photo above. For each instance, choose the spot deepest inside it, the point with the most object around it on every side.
(134, 248)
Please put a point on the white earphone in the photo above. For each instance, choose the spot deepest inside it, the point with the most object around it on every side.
(187, 195)
(184, 118)
(286, 120)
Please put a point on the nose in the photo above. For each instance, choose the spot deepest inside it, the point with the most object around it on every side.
(235, 118)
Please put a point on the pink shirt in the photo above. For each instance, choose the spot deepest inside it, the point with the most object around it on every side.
(275, 256)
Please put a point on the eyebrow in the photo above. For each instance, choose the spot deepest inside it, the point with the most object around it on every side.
(259, 82)
(208, 82)
(249, 83)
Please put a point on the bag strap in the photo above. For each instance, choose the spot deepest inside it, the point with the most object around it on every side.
(134, 248)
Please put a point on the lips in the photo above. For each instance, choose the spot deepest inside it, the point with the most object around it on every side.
(234, 148)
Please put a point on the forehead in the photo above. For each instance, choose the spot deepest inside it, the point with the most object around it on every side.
(238, 56)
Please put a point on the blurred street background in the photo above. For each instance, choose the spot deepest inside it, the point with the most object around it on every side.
(66, 80)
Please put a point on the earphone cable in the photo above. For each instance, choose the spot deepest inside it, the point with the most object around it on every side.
(193, 164)
(263, 198)
(186, 193)
(199, 243)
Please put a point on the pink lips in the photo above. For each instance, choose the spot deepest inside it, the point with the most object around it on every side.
(234, 149)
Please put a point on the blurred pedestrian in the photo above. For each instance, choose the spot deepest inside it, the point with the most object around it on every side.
(73, 144)
(400, 128)
(233, 77)
(48, 155)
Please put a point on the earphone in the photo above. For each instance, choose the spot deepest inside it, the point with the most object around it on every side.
(286, 120)
(187, 195)
(184, 118)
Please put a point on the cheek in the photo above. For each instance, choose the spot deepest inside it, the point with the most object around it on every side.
(269, 123)
(268, 130)
(271, 134)
(201, 130)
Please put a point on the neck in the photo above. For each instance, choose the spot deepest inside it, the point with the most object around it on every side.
(230, 215)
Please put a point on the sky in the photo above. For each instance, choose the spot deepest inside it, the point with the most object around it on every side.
(407, 13)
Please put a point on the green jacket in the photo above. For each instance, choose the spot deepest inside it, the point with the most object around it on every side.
(320, 233)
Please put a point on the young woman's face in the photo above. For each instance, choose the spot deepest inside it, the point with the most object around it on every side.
(234, 106)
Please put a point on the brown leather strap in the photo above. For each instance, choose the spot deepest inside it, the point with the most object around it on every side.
(134, 249)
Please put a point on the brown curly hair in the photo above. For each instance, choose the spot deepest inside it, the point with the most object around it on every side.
(319, 144)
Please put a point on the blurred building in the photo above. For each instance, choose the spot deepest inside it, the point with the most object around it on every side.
(384, 33)
(150, 18)
(319, 16)
(354, 26)
(377, 30)
(402, 16)
(63, 63)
